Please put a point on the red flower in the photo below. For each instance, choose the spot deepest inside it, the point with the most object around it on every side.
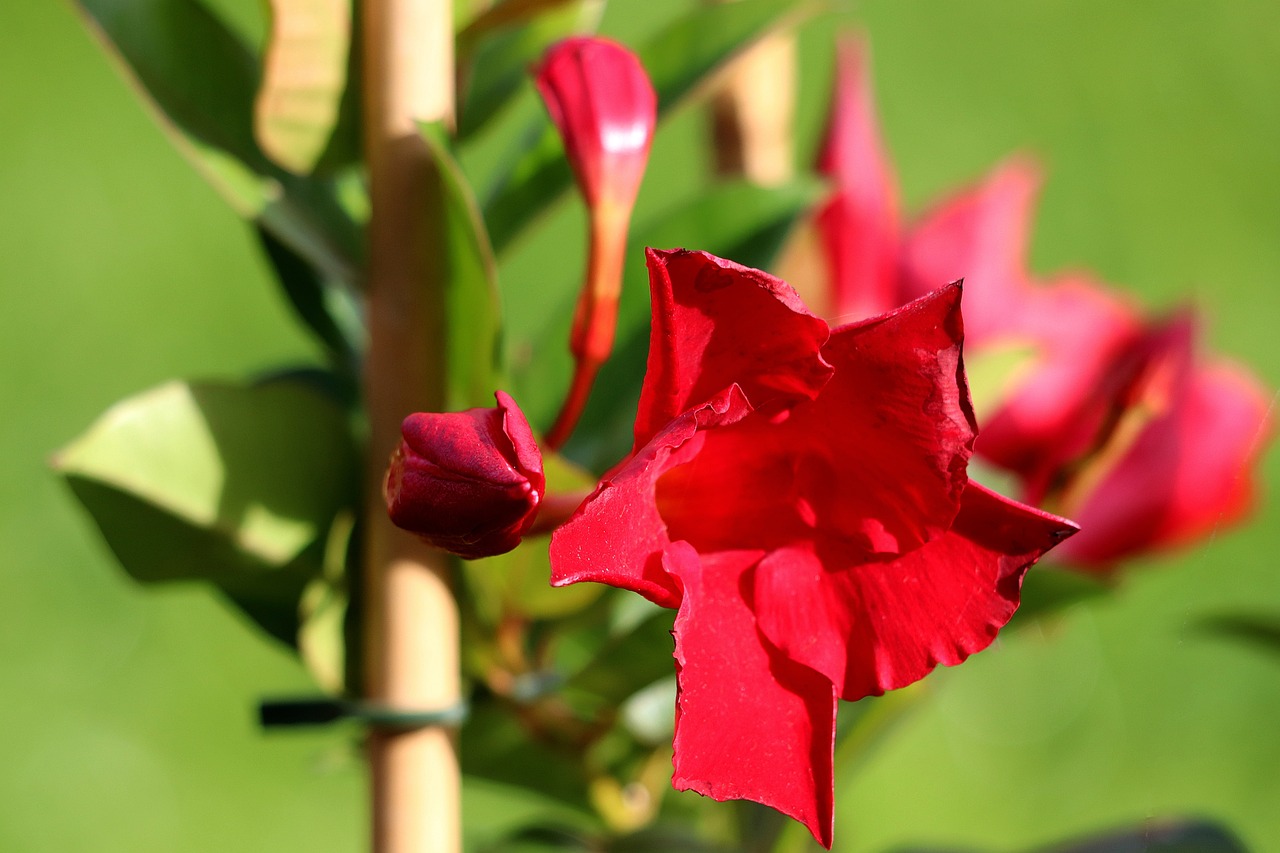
(467, 482)
(1177, 457)
(1182, 462)
(800, 496)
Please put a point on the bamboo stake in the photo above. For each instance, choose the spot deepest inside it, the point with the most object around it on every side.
(411, 655)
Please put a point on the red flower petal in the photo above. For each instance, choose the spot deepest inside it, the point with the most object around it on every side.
(880, 626)
(898, 411)
(980, 235)
(875, 463)
(1187, 470)
(750, 724)
(604, 106)
(617, 536)
(859, 223)
(717, 323)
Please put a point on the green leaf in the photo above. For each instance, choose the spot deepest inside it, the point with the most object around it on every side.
(518, 583)
(309, 217)
(201, 80)
(495, 745)
(494, 812)
(197, 72)
(685, 55)
(232, 485)
(1159, 837)
(740, 221)
(467, 267)
(322, 611)
(627, 663)
(303, 79)
(326, 306)
(497, 58)
(503, 15)
(1262, 631)
(680, 60)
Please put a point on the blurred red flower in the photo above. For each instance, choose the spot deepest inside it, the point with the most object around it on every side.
(800, 495)
(1173, 461)
(1092, 363)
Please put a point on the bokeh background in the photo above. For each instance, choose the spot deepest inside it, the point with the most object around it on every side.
(127, 716)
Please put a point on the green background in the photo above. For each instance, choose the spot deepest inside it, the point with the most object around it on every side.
(127, 716)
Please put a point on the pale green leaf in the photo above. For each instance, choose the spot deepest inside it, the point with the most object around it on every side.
(234, 485)
(304, 75)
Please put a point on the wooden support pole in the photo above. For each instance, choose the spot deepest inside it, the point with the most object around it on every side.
(411, 621)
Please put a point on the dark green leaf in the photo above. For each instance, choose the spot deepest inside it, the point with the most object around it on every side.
(667, 839)
(625, 664)
(308, 216)
(232, 485)
(1262, 631)
(202, 80)
(199, 74)
(498, 63)
(679, 60)
(548, 838)
(497, 747)
(1159, 837)
(327, 307)
(470, 273)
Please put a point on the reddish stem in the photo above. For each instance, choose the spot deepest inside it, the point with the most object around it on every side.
(555, 511)
(596, 315)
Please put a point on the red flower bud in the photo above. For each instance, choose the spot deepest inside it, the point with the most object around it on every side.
(467, 482)
(603, 104)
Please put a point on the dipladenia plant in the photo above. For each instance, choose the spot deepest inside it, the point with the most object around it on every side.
(745, 507)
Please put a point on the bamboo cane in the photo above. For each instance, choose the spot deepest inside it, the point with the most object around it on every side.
(411, 655)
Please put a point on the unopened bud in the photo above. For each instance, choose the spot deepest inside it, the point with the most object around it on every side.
(467, 482)
(604, 106)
